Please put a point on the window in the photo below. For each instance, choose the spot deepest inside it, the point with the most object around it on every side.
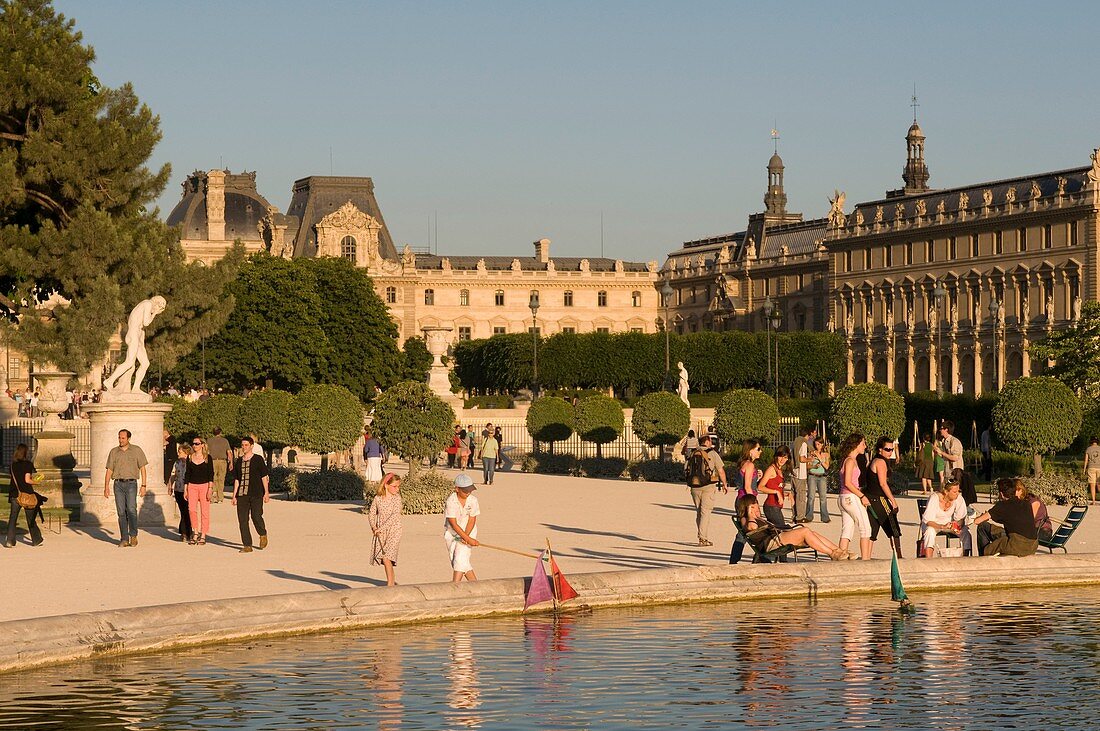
(1021, 239)
(801, 281)
(391, 295)
(464, 333)
(952, 249)
(847, 261)
(929, 251)
(15, 367)
(601, 297)
(429, 296)
(888, 256)
(498, 298)
(1048, 240)
(569, 330)
(636, 330)
(347, 247)
(679, 296)
(908, 253)
(998, 243)
(1073, 233)
(974, 250)
(464, 298)
(536, 331)
(636, 299)
(499, 330)
(567, 298)
(866, 259)
(604, 294)
(604, 330)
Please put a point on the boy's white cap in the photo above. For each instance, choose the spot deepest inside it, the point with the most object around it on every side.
(464, 482)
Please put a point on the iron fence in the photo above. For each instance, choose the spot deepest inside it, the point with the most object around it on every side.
(23, 429)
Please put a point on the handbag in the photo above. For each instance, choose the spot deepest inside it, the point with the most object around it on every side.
(25, 500)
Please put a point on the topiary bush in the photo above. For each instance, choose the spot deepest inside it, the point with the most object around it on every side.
(599, 420)
(283, 479)
(656, 470)
(549, 420)
(413, 422)
(329, 485)
(660, 419)
(1055, 487)
(746, 414)
(182, 422)
(221, 410)
(1036, 416)
(424, 493)
(545, 463)
(1007, 464)
(265, 414)
(870, 409)
(323, 419)
(607, 468)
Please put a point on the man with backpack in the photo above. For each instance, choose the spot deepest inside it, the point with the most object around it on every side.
(705, 475)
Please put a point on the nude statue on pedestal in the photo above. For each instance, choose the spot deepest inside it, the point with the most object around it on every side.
(140, 318)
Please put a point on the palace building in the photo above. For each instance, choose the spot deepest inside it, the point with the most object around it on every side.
(475, 296)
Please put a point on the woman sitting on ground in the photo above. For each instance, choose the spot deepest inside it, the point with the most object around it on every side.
(946, 512)
(1038, 509)
(765, 537)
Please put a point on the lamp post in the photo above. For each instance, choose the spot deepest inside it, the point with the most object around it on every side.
(777, 320)
(995, 314)
(940, 294)
(769, 308)
(534, 305)
(666, 295)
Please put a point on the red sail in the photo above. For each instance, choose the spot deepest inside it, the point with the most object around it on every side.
(562, 590)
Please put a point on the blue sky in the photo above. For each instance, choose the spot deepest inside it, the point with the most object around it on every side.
(511, 121)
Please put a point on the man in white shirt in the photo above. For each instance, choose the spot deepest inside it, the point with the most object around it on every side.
(801, 453)
(949, 447)
(460, 527)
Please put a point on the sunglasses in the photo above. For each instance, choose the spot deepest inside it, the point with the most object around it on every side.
(196, 444)
(887, 449)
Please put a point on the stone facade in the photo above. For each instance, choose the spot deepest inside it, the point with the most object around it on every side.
(476, 296)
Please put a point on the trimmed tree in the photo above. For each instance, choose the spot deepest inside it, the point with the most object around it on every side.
(182, 422)
(746, 414)
(598, 419)
(418, 361)
(323, 419)
(660, 419)
(550, 419)
(1037, 416)
(264, 413)
(413, 422)
(870, 409)
(222, 410)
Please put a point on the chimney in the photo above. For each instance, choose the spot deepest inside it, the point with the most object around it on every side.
(542, 250)
(215, 205)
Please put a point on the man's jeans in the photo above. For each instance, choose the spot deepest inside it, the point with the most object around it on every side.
(126, 506)
(820, 485)
(488, 466)
(799, 485)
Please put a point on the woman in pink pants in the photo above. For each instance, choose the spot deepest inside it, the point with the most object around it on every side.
(199, 490)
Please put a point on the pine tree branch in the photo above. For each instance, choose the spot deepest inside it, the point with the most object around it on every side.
(13, 138)
(48, 203)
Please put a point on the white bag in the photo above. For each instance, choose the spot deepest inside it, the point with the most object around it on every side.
(951, 552)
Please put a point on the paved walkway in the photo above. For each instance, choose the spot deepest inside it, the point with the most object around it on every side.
(594, 525)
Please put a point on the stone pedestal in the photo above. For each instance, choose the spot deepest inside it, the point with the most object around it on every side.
(437, 340)
(53, 456)
(145, 420)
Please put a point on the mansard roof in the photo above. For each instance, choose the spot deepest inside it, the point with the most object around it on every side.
(315, 197)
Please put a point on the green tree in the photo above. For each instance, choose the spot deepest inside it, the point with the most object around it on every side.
(413, 422)
(870, 409)
(746, 414)
(1038, 415)
(221, 410)
(660, 418)
(265, 414)
(324, 418)
(77, 222)
(598, 419)
(182, 422)
(418, 361)
(549, 420)
(1075, 352)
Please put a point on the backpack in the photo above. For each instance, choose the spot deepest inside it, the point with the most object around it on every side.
(698, 470)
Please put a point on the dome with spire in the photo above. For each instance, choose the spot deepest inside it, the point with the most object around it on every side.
(776, 162)
(914, 132)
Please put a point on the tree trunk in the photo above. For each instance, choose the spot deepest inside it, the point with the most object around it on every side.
(414, 467)
(599, 451)
(1037, 465)
(324, 461)
(551, 447)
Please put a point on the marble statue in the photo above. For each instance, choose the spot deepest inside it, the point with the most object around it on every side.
(750, 249)
(987, 198)
(1010, 195)
(889, 320)
(964, 201)
(878, 214)
(1025, 311)
(941, 207)
(954, 313)
(1036, 191)
(682, 387)
(1076, 307)
(922, 208)
(1062, 186)
(933, 318)
(1094, 173)
(836, 209)
(1050, 308)
(140, 318)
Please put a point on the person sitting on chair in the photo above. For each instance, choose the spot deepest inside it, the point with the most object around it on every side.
(946, 513)
(765, 537)
(1038, 509)
(1019, 536)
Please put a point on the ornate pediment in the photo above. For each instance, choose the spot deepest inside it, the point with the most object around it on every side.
(349, 217)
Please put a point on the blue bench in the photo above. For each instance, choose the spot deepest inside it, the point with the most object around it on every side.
(1066, 529)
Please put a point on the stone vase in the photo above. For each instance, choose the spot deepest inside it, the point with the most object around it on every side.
(438, 340)
(53, 457)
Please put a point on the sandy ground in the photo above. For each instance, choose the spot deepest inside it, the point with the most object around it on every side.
(594, 525)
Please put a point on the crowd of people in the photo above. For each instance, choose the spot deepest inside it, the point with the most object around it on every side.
(797, 474)
(26, 401)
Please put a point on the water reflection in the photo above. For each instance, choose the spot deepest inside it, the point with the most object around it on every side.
(977, 660)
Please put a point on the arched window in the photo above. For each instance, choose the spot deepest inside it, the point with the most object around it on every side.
(498, 298)
(347, 247)
(464, 298)
(429, 296)
(601, 298)
(568, 298)
(391, 295)
(635, 299)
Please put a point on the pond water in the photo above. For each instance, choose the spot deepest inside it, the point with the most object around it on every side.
(976, 660)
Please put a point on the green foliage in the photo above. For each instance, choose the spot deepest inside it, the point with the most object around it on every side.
(656, 470)
(1075, 352)
(546, 463)
(418, 361)
(283, 479)
(598, 419)
(425, 493)
(606, 468)
(264, 413)
(1090, 425)
(806, 410)
(1007, 464)
(182, 422)
(330, 485)
(925, 407)
(221, 410)
(325, 418)
(412, 421)
(660, 418)
(549, 420)
(498, 401)
(746, 414)
(1056, 487)
(1038, 415)
(870, 409)
(77, 214)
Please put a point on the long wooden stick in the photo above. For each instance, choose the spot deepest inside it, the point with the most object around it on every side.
(508, 550)
(553, 586)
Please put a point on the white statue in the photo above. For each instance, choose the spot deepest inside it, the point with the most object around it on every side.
(933, 318)
(1049, 309)
(140, 317)
(1094, 174)
(1076, 307)
(1025, 310)
(954, 313)
(682, 387)
(836, 210)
